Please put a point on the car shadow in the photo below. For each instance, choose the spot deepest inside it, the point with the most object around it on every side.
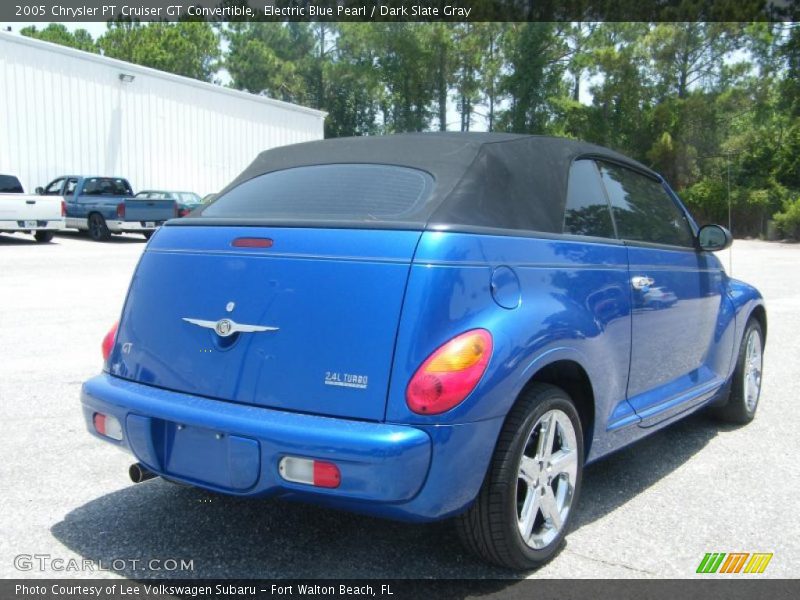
(616, 479)
(20, 240)
(268, 538)
(82, 236)
(256, 538)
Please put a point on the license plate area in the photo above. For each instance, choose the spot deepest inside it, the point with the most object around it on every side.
(31, 224)
(150, 224)
(208, 456)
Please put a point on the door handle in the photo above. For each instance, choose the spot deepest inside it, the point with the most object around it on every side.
(642, 282)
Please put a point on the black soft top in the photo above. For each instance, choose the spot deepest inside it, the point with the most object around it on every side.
(495, 180)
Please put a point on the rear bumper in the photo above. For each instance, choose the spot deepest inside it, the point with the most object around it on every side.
(41, 225)
(132, 226)
(397, 471)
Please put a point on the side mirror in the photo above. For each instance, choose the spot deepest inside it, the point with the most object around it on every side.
(713, 238)
(40, 191)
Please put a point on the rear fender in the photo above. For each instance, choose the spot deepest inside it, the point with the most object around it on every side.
(747, 301)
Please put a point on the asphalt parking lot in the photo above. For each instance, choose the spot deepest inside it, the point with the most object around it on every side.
(652, 510)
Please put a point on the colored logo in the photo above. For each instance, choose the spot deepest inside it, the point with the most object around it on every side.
(734, 562)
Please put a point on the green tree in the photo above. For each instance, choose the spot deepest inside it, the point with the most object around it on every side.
(580, 38)
(789, 55)
(536, 61)
(622, 94)
(288, 61)
(443, 47)
(57, 33)
(189, 48)
(403, 63)
(354, 90)
(687, 55)
(492, 68)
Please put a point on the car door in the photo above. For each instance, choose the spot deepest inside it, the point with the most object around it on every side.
(676, 295)
(76, 216)
(602, 288)
(92, 198)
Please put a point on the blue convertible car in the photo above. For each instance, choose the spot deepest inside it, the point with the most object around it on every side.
(426, 326)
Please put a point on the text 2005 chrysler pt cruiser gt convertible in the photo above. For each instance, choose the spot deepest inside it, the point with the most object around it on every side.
(425, 326)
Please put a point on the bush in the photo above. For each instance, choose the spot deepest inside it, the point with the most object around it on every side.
(788, 220)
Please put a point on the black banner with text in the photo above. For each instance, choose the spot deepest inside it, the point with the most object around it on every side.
(400, 10)
(398, 589)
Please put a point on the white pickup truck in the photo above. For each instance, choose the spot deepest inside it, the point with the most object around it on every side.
(19, 213)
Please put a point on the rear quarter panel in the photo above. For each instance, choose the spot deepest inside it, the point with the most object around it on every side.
(574, 304)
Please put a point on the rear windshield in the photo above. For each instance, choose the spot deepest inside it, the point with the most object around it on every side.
(106, 186)
(349, 192)
(188, 198)
(10, 185)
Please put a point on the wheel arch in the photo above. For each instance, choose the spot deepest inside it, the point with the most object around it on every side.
(759, 313)
(91, 213)
(569, 375)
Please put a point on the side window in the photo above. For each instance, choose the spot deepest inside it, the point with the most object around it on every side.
(642, 209)
(69, 190)
(54, 189)
(587, 211)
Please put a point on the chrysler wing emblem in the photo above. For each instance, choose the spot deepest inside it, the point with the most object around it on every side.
(227, 327)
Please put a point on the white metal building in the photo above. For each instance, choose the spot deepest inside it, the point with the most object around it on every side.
(64, 111)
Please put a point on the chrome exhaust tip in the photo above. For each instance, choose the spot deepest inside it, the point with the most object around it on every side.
(139, 473)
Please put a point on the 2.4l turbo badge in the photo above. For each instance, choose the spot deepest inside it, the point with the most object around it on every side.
(358, 382)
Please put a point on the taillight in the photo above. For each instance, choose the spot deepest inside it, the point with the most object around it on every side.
(108, 341)
(448, 375)
(182, 212)
(63, 209)
(121, 210)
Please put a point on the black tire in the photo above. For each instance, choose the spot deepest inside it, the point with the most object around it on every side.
(489, 528)
(738, 410)
(43, 237)
(98, 230)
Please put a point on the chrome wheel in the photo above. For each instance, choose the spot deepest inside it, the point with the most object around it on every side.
(546, 479)
(752, 370)
(524, 507)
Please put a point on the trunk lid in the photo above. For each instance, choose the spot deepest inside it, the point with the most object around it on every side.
(149, 210)
(333, 297)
